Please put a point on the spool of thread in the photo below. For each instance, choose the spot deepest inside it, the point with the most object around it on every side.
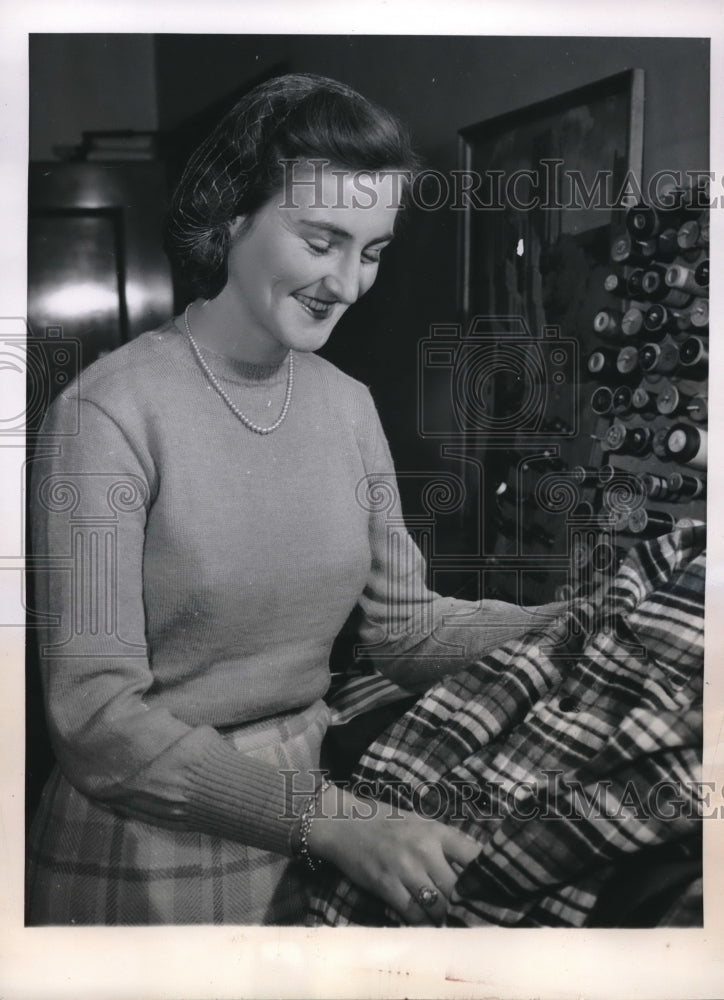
(644, 402)
(615, 284)
(660, 320)
(650, 523)
(670, 401)
(625, 250)
(687, 279)
(685, 487)
(687, 445)
(656, 487)
(693, 233)
(632, 322)
(627, 360)
(634, 441)
(658, 444)
(602, 400)
(601, 363)
(699, 313)
(621, 404)
(694, 357)
(607, 323)
(659, 359)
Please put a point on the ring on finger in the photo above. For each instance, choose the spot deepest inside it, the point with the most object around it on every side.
(427, 896)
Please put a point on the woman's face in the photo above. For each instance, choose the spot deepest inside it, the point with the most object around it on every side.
(305, 256)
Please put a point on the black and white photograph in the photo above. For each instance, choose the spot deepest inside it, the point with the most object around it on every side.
(361, 475)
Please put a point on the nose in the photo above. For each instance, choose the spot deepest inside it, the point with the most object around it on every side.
(344, 279)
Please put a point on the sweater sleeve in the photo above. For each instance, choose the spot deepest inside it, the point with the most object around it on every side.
(414, 635)
(90, 494)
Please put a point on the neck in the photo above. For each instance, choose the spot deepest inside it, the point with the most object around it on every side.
(216, 326)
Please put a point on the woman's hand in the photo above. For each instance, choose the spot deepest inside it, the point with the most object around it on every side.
(390, 852)
(569, 626)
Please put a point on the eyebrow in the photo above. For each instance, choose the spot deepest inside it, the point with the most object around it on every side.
(330, 227)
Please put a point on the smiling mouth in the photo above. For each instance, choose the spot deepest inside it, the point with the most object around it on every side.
(318, 308)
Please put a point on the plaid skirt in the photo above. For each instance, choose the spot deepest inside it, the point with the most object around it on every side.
(89, 865)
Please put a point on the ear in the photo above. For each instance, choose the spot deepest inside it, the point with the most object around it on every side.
(235, 225)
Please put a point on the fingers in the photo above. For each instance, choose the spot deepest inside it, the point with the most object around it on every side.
(412, 865)
(406, 902)
(442, 875)
(422, 896)
(430, 894)
(430, 884)
(459, 849)
(558, 630)
(427, 904)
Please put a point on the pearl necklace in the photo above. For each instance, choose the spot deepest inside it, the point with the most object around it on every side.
(225, 396)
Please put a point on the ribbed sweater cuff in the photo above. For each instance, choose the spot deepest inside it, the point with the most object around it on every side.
(235, 796)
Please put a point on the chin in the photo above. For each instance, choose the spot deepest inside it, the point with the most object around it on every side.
(307, 345)
(311, 338)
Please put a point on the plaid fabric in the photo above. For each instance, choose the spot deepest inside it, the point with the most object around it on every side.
(350, 696)
(90, 865)
(560, 762)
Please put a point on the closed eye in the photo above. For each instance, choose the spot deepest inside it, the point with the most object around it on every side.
(319, 246)
(319, 249)
(372, 254)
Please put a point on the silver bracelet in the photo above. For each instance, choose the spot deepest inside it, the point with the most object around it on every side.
(305, 825)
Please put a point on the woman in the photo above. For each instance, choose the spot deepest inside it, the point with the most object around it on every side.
(208, 500)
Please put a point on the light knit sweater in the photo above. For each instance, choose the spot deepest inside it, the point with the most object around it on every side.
(218, 566)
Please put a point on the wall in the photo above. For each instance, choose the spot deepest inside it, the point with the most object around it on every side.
(87, 82)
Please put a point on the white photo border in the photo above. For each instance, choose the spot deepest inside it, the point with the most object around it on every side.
(222, 962)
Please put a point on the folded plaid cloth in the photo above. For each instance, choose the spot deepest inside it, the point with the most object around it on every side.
(350, 697)
(561, 761)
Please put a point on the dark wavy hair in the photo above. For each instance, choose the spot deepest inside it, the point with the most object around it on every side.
(238, 167)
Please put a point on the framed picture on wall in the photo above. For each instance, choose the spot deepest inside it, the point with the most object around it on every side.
(547, 186)
(544, 182)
